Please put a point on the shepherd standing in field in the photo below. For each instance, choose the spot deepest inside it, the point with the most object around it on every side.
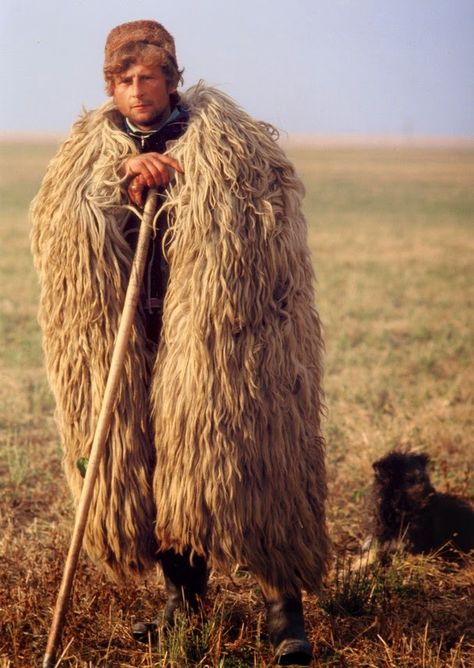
(215, 455)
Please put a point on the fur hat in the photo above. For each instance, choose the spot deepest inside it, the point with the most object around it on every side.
(151, 32)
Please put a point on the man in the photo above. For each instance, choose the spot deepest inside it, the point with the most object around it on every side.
(215, 455)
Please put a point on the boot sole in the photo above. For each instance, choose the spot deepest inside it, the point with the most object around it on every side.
(293, 653)
(145, 632)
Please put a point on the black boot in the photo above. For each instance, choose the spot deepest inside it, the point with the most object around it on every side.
(185, 582)
(285, 625)
(185, 585)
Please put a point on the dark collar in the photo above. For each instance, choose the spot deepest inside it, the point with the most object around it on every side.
(156, 140)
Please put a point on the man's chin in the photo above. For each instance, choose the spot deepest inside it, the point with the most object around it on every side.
(145, 124)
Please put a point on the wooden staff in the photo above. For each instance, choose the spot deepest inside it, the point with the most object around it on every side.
(103, 426)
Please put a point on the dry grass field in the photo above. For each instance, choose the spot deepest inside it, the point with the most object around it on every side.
(392, 236)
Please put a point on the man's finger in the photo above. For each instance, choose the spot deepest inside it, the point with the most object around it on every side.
(168, 160)
(153, 165)
(153, 170)
(136, 189)
(162, 171)
(151, 173)
(159, 172)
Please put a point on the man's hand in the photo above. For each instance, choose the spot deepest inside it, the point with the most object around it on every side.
(146, 171)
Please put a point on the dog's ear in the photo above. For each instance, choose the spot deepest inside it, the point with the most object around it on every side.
(382, 469)
(390, 467)
(422, 460)
(377, 467)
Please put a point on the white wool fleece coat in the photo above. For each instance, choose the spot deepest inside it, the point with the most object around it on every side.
(215, 443)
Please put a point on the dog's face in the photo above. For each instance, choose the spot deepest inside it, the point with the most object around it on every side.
(403, 472)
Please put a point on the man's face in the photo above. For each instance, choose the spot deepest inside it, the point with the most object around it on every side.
(142, 94)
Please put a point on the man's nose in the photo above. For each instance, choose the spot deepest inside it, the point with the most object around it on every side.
(136, 88)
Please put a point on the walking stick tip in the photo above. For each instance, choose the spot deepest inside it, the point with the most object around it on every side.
(49, 661)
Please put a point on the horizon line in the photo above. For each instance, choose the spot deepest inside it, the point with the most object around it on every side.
(296, 139)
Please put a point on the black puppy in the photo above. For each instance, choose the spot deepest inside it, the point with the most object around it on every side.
(408, 508)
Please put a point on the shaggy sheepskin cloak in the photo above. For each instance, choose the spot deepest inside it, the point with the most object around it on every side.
(215, 443)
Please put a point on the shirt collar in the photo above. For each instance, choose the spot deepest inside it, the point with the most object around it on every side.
(144, 134)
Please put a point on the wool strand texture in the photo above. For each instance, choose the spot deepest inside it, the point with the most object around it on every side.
(84, 263)
(236, 395)
(216, 443)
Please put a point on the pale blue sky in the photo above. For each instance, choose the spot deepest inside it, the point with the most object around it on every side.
(308, 66)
